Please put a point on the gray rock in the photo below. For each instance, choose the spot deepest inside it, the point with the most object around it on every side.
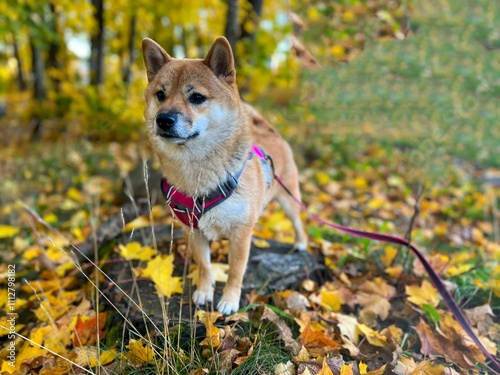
(275, 268)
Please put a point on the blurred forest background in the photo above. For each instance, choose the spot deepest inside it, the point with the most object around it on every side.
(76, 66)
(391, 107)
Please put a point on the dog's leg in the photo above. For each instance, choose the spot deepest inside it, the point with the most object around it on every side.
(239, 250)
(292, 211)
(201, 255)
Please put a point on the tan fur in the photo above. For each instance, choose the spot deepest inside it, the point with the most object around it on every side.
(213, 141)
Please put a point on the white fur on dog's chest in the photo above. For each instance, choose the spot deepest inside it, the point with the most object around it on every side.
(218, 222)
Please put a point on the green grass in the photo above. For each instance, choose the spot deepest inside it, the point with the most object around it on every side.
(435, 93)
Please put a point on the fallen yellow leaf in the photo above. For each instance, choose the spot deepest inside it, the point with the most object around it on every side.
(160, 271)
(134, 250)
(219, 273)
(388, 256)
(139, 353)
(346, 369)
(105, 357)
(74, 194)
(140, 222)
(331, 300)
(261, 244)
(7, 231)
(325, 369)
(373, 337)
(208, 319)
(425, 294)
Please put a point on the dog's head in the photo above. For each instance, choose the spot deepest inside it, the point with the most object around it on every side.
(190, 102)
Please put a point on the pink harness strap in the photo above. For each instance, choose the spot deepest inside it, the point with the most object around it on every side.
(189, 209)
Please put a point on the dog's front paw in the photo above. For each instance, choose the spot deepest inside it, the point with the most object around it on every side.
(300, 246)
(227, 307)
(229, 303)
(203, 296)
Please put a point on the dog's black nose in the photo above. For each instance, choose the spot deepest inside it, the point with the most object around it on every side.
(166, 121)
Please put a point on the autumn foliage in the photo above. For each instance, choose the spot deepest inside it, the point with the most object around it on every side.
(72, 92)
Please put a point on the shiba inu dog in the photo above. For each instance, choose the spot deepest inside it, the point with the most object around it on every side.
(212, 150)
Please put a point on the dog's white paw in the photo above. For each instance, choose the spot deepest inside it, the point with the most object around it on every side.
(203, 296)
(300, 246)
(227, 307)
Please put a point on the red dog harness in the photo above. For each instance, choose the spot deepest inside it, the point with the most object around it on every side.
(189, 209)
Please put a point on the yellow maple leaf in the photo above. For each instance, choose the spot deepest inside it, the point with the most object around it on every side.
(7, 368)
(261, 244)
(325, 369)
(331, 300)
(140, 222)
(208, 319)
(346, 369)
(105, 357)
(32, 349)
(32, 252)
(50, 218)
(337, 51)
(74, 194)
(5, 325)
(134, 250)
(388, 256)
(219, 273)
(458, 269)
(7, 231)
(425, 294)
(395, 271)
(53, 307)
(139, 353)
(374, 337)
(159, 270)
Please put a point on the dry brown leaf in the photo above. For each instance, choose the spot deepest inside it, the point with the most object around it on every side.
(285, 333)
(449, 342)
(303, 355)
(226, 360)
(348, 326)
(374, 296)
(284, 369)
(481, 317)
(379, 371)
(394, 334)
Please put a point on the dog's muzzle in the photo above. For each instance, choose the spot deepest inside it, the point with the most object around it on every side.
(166, 124)
(169, 124)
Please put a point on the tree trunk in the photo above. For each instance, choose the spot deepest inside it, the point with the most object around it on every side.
(127, 72)
(254, 16)
(52, 60)
(231, 31)
(97, 46)
(21, 82)
(38, 69)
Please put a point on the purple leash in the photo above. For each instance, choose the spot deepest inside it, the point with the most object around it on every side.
(434, 277)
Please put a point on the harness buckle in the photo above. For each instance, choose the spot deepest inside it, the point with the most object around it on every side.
(231, 183)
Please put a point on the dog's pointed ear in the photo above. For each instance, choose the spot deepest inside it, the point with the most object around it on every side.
(154, 56)
(221, 61)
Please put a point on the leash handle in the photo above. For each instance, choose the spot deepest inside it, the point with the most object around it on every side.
(434, 277)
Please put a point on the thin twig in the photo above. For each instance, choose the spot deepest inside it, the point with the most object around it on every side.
(416, 212)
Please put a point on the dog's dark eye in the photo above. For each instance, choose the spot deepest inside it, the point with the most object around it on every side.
(160, 95)
(197, 98)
